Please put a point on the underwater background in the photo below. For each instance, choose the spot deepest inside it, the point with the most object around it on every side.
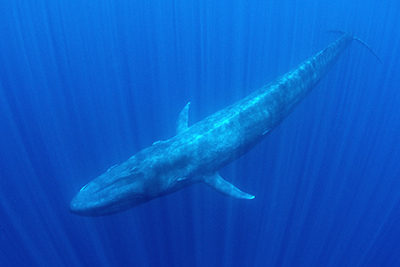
(84, 85)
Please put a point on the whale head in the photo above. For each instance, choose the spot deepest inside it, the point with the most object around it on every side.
(120, 188)
(151, 173)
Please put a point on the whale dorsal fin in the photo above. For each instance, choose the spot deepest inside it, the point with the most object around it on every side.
(215, 181)
(182, 123)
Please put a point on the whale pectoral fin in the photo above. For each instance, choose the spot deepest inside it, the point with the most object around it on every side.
(182, 123)
(215, 181)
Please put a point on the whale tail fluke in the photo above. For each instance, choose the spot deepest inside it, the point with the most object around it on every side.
(368, 47)
(359, 40)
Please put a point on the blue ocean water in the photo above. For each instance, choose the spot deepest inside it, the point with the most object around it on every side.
(84, 85)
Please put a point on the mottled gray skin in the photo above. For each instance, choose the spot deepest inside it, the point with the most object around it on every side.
(196, 153)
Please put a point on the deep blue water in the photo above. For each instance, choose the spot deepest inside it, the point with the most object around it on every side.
(84, 85)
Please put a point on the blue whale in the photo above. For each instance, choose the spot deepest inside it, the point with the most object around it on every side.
(196, 153)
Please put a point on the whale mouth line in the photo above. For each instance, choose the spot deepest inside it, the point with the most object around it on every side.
(100, 208)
